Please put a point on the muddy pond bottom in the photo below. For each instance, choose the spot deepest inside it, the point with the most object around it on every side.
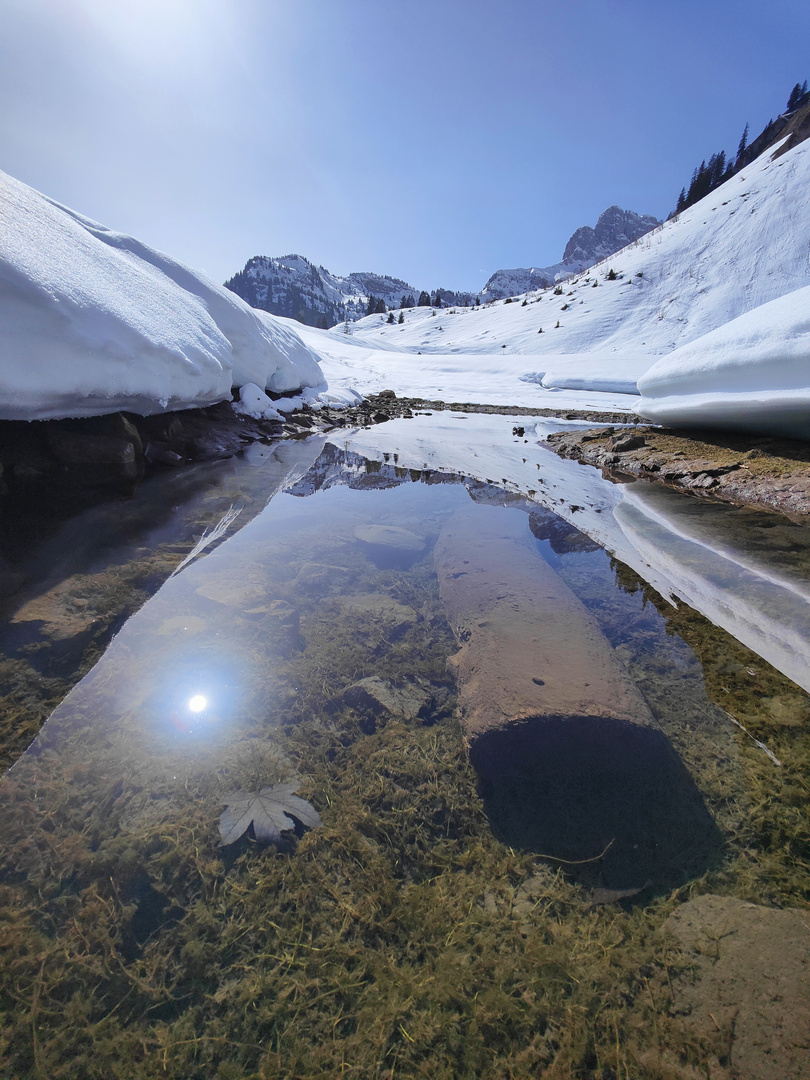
(506, 766)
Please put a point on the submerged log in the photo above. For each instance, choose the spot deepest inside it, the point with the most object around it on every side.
(570, 760)
(529, 648)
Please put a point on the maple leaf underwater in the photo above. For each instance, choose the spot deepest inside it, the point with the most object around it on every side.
(271, 811)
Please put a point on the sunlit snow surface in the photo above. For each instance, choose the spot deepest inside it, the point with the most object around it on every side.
(94, 321)
(706, 315)
(754, 372)
(577, 382)
(717, 299)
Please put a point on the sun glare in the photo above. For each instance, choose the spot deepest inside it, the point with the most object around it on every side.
(197, 703)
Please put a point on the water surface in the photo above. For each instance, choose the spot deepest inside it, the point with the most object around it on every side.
(436, 923)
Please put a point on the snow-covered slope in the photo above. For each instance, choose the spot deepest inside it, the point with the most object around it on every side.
(587, 381)
(93, 321)
(745, 244)
(738, 250)
(615, 229)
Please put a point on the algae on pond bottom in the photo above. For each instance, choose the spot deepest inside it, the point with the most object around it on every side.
(399, 939)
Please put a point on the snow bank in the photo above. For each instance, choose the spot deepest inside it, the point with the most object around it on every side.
(255, 403)
(582, 381)
(752, 374)
(94, 321)
(611, 374)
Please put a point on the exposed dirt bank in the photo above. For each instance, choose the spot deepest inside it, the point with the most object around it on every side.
(773, 474)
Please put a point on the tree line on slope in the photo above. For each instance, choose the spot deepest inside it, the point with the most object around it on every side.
(710, 175)
(441, 298)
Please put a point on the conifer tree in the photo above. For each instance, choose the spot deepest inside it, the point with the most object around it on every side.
(743, 143)
(796, 96)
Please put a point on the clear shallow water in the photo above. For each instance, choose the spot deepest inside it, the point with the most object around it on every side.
(71, 576)
(419, 927)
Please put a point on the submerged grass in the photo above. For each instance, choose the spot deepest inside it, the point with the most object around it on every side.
(400, 939)
(763, 808)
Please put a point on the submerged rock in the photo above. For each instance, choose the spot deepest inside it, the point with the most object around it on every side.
(234, 586)
(379, 613)
(318, 577)
(381, 697)
(529, 647)
(746, 994)
(389, 546)
(182, 625)
(390, 536)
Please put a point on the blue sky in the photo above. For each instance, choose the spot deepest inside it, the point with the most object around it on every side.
(435, 141)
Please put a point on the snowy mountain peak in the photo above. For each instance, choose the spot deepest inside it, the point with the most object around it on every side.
(743, 245)
(294, 287)
(615, 229)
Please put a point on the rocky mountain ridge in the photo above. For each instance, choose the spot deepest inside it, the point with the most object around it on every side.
(615, 229)
(294, 287)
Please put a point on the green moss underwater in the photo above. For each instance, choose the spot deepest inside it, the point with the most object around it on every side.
(401, 938)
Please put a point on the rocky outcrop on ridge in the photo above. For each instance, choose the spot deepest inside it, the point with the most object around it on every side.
(615, 229)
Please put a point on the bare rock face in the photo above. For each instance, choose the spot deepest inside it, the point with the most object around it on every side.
(615, 229)
(98, 449)
(746, 995)
(571, 762)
